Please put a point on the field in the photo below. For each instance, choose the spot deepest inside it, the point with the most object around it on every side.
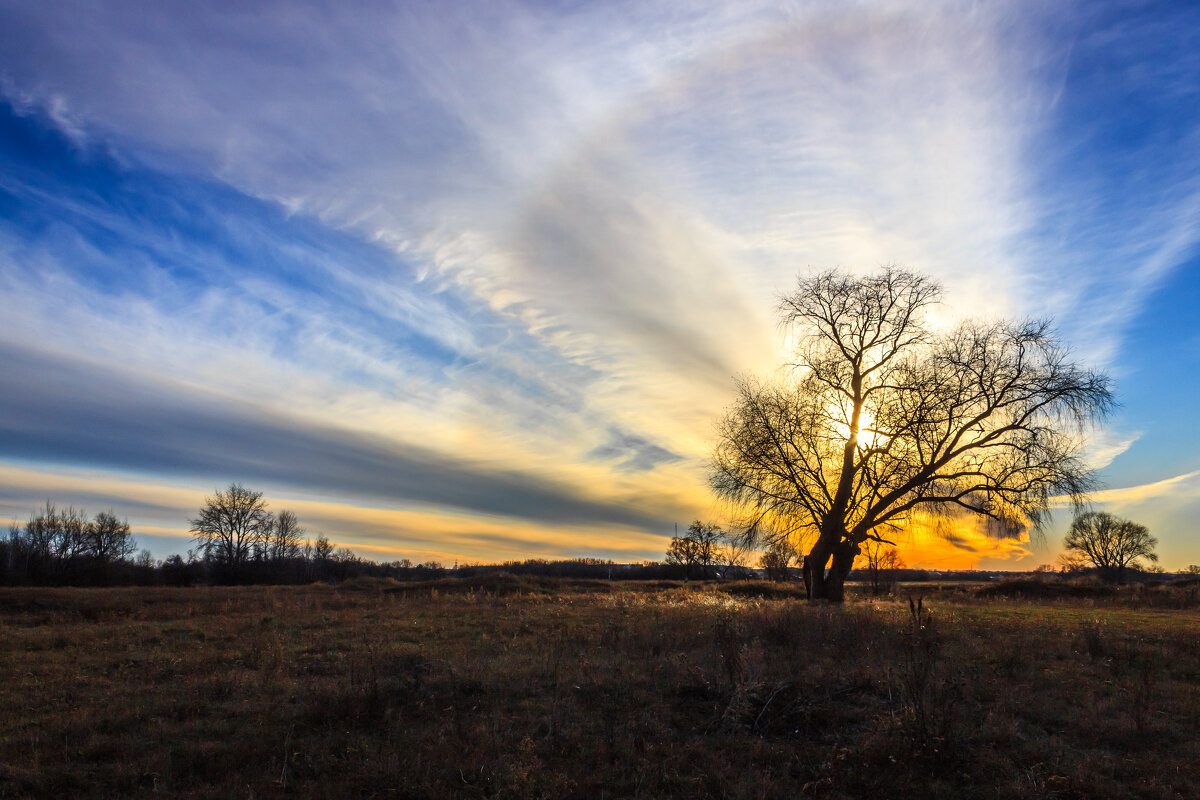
(505, 687)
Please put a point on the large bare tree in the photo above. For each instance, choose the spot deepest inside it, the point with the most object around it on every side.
(880, 417)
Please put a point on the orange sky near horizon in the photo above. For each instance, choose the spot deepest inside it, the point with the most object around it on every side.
(159, 514)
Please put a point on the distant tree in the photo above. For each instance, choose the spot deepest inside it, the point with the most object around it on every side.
(882, 563)
(1192, 569)
(1072, 563)
(1109, 543)
(233, 524)
(285, 537)
(778, 560)
(320, 558)
(109, 538)
(882, 417)
(54, 534)
(698, 547)
(322, 550)
(733, 555)
(682, 552)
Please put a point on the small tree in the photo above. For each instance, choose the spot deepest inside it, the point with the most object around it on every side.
(1110, 543)
(320, 555)
(285, 537)
(232, 525)
(109, 538)
(778, 559)
(882, 562)
(698, 547)
(1072, 563)
(733, 554)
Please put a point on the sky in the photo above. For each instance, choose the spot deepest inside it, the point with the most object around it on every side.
(471, 281)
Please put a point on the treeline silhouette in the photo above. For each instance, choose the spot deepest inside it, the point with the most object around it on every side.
(64, 547)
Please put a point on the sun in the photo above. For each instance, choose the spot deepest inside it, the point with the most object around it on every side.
(840, 415)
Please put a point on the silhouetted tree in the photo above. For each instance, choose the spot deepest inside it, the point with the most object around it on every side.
(882, 563)
(321, 557)
(696, 548)
(232, 525)
(880, 418)
(109, 538)
(1109, 543)
(285, 537)
(778, 559)
(733, 554)
(60, 545)
(1072, 563)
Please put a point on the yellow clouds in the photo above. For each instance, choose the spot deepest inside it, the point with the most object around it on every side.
(90, 488)
(422, 535)
(159, 512)
(956, 542)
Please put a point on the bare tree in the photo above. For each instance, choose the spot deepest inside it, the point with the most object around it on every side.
(232, 524)
(285, 537)
(109, 538)
(778, 559)
(698, 547)
(1109, 543)
(1072, 563)
(880, 418)
(882, 563)
(733, 554)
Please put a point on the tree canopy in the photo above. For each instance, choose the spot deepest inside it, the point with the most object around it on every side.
(880, 416)
(1109, 543)
(233, 525)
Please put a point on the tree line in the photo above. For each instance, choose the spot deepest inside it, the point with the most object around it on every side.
(237, 539)
(63, 546)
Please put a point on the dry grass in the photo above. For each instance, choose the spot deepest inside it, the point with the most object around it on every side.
(533, 688)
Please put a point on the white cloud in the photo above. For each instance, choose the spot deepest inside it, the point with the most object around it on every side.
(1104, 446)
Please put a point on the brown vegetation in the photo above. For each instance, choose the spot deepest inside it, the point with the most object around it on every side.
(503, 686)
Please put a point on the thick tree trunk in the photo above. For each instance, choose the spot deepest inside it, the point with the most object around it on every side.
(828, 585)
(843, 561)
(814, 569)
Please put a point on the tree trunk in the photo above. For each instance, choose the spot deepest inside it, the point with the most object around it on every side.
(823, 585)
(843, 561)
(814, 570)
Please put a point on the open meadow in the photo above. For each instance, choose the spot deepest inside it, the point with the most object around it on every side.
(522, 687)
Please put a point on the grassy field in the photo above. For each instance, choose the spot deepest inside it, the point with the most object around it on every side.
(531, 688)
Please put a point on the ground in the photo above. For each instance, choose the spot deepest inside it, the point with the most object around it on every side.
(506, 687)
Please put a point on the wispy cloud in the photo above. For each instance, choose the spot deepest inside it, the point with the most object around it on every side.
(1104, 446)
(68, 411)
(1179, 486)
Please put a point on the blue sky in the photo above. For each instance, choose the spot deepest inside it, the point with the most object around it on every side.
(470, 281)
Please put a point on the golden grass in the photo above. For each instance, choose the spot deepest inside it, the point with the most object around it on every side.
(537, 688)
